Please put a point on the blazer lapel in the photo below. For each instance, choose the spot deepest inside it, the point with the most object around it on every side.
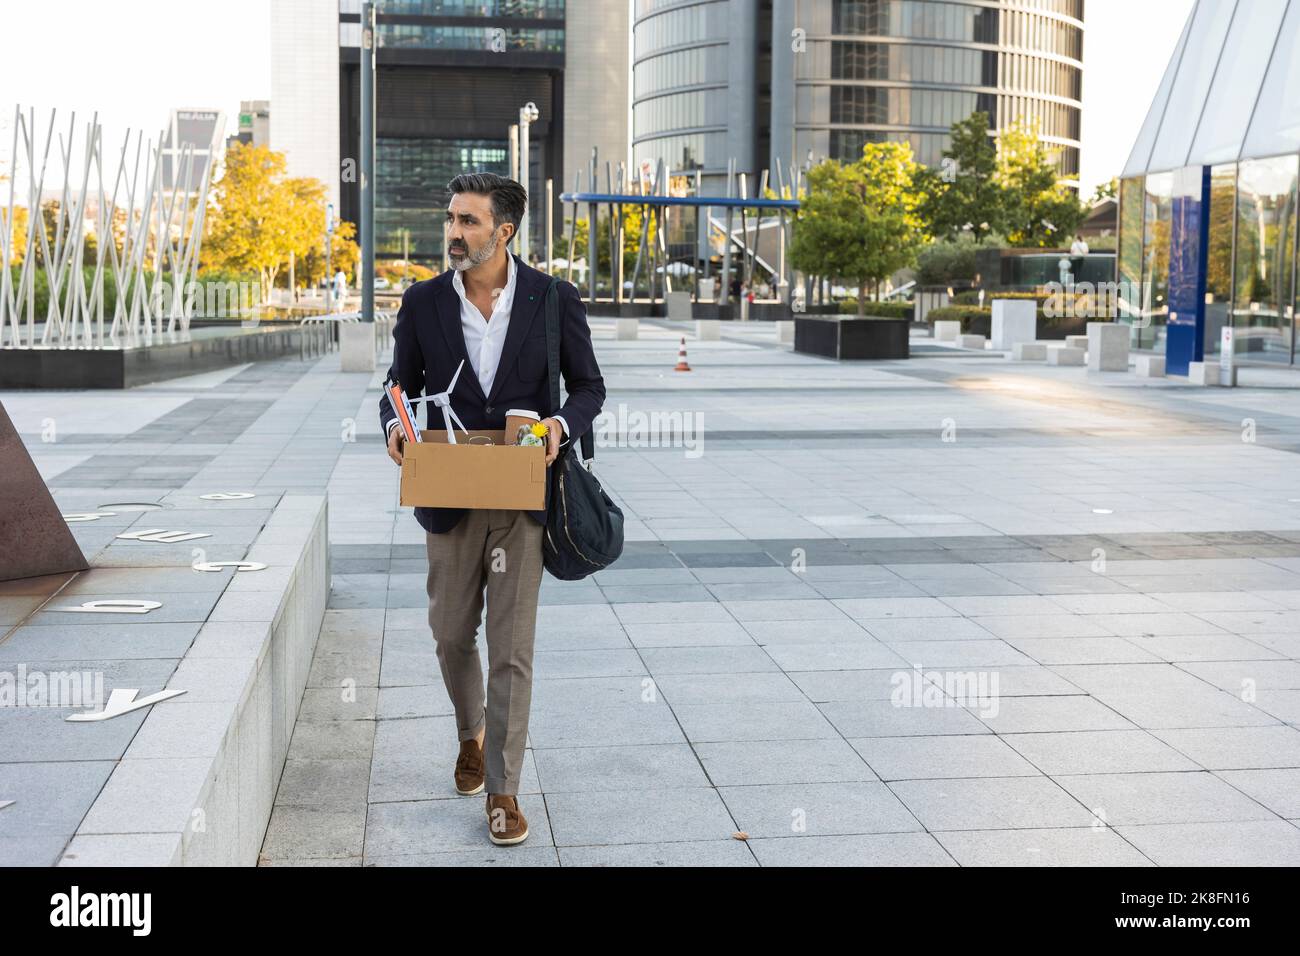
(448, 306)
(529, 284)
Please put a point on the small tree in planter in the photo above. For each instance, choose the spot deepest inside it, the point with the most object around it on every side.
(858, 221)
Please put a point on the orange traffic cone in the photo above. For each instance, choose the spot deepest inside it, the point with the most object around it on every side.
(682, 365)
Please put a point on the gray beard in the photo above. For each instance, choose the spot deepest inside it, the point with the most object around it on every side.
(472, 259)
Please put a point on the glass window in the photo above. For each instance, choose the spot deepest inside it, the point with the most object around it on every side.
(1218, 256)
(1266, 223)
(1157, 228)
(411, 177)
(534, 9)
(425, 37)
(1131, 198)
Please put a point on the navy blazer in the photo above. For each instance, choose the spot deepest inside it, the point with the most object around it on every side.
(428, 344)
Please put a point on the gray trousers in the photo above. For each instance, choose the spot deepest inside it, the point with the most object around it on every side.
(500, 551)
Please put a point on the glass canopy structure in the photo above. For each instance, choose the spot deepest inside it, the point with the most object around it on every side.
(1208, 196)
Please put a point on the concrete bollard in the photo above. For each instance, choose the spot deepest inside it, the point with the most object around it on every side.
(1029, 352)
(1203, 373)
(945, 331)
(785, 331)
(1014, 321)
(708, 330)
(1107, 347)
(1076, 342)
(971, 341)
(1150, 366)
(626, 330)
(1065, 355)
(356, 347)
(678, 305)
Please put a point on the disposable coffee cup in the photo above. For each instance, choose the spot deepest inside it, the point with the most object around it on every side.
(516, 417)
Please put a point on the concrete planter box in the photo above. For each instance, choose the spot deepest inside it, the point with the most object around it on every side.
(851, 338)
(172, 355)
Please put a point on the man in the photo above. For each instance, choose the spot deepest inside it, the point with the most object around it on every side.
(488, 309)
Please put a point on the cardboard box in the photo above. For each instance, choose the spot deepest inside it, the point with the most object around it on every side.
(472, 473)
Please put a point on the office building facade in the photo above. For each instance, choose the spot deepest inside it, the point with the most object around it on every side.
(1208, 197)
(451, 77)
(768, 81)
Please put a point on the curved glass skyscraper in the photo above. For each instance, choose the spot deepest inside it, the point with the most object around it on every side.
(767, 80)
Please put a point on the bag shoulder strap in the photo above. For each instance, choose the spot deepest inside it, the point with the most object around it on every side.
(553, 361)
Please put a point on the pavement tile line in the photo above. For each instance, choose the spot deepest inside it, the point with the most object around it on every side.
(71, 579)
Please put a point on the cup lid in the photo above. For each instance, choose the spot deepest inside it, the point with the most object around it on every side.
(523, 413)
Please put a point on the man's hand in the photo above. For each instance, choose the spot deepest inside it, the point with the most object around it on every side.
(396, 439)
(554, 435)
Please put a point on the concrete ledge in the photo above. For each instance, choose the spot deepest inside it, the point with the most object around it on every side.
(1065, 355)
(1076, 342)
(197, 783)
(1029, 352)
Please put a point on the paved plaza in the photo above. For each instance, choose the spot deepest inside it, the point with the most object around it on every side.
(947, 611)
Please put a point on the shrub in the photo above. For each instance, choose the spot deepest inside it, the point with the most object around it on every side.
(967, 314)
(883, 310)
(972, 296)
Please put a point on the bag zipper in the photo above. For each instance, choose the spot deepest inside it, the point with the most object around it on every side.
(564, 506)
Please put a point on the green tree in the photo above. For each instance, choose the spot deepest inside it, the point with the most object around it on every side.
(962, 195)
(1106, 191)
(258, 217)
(17, 234)
(344, 252)
(859, 222)
(1041, 211)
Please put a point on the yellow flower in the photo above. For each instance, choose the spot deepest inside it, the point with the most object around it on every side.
(539, 430)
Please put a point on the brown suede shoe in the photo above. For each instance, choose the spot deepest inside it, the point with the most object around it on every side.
(470, 772)
(506, 823)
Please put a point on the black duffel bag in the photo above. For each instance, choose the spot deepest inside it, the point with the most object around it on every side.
(584, 528)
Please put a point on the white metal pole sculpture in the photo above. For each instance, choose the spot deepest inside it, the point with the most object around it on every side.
(148, 229)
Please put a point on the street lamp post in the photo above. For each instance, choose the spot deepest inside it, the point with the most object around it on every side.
(528, 114)
(329, 263)
(368, 44)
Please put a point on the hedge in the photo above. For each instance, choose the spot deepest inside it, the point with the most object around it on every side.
(966, 314)
(883, 310)
(972, 296)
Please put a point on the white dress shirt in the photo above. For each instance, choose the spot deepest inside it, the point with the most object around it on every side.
(484, 340)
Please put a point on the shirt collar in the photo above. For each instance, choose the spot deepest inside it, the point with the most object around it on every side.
(458, 283)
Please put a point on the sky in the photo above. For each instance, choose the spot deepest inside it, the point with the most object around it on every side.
(135, 60)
